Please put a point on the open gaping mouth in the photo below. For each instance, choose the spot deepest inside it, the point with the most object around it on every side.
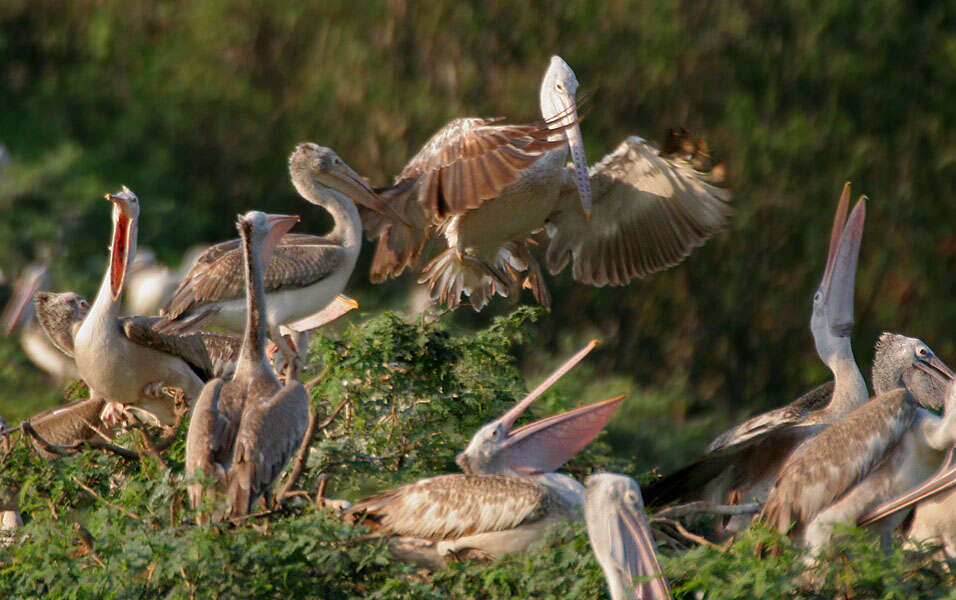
(119, 252)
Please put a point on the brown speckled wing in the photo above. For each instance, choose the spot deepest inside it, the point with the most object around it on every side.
(299, 261)
(270, 432)
(829, 464)
(469, 161)
(649, 213)
(188, 347)
(451, 506)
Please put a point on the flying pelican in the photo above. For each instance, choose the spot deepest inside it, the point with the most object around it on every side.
(934, 518)
(742, 462)
(508, 495)
(18, 313)
(122, 362)
(486, 187)
(879, 450)
(621, 538)
(307, 272)
(243, 431)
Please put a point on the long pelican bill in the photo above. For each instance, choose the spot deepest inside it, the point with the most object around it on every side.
(344, 179)
(840, 274)
(944, 479)
(120, 244)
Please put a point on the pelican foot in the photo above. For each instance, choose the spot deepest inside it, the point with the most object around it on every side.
(113, 414)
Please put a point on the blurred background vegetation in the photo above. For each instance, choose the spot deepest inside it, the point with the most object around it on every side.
(196, 106)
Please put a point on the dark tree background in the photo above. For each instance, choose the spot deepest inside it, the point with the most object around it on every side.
(196, 106)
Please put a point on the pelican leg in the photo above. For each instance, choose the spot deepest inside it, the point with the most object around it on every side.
(113, 414)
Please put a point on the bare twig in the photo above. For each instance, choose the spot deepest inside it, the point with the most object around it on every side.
(702, 506)
(690, 536)
(93, 493)
(315, 380)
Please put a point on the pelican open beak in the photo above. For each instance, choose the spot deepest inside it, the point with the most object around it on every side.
(20, 300)
(124, 225)
(839, 276)
(345, 180)
(944, 479)
(339, 306)
(279, 225)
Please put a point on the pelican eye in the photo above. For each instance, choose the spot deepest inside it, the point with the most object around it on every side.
(922, 351)
(818, 297)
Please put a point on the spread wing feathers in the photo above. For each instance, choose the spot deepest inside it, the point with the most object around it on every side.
(730, 448)
(452, 506)
(210, 428)
(448, 276)
(398, 245)
(649, 213)
(759, 427)
(187, 347)
(68, 424)
(217, 275)
(268, 436)
(469, 161)
(828, 465)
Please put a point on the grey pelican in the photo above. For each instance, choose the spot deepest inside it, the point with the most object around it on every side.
(742, 462)
(115, 362)
(879, 450)
(307, 272)
(508, 495)
(486, 187)
(934, 515)
(244, 430)
(621, 538)
(150, 284)
(19, 313)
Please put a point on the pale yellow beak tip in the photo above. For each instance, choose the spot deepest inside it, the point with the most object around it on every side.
(350, 302)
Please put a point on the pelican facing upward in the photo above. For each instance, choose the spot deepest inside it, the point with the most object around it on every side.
(307, 272)
(244, 430)
(742, 462)
(486, 187)
(509, 494)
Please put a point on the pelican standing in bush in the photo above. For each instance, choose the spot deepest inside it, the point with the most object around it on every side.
(507, 498)
(486, 187)
(307, 272)
(243, 431)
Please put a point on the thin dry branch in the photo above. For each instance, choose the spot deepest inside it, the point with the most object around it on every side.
(702, 506)
(299, 465)
(690, 536)
(93, 493)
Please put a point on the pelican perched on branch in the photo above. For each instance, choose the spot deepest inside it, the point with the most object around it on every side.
(243, 431)
(621, 538)
(879, 450)
(509, 494)
(742, 462)
(307, 272)
(486, 187)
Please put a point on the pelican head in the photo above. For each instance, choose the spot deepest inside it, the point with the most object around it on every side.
(321, 166)
(123, 244)
(621, 538)
(559, 110)
(902, 361)
(60, 315)
(832, 317)
(264, 231)
(539, 447)
(34, 278)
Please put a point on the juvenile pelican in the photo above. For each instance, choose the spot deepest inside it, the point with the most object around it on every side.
(243, 431)
(509, 494)
(878, 451)
(119, 365)
(307, 272)
(742, 462)
(621, 538)
(19, 314)
(486, 187)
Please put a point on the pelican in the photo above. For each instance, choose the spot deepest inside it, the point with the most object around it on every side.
(18, 313)
(243, 431)
(115, 362)
(307, 272)
(621, 538)
(742, 462)
(486, 187)
(934, 518)
(151, 284)
(508, 495)
(879, 450)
